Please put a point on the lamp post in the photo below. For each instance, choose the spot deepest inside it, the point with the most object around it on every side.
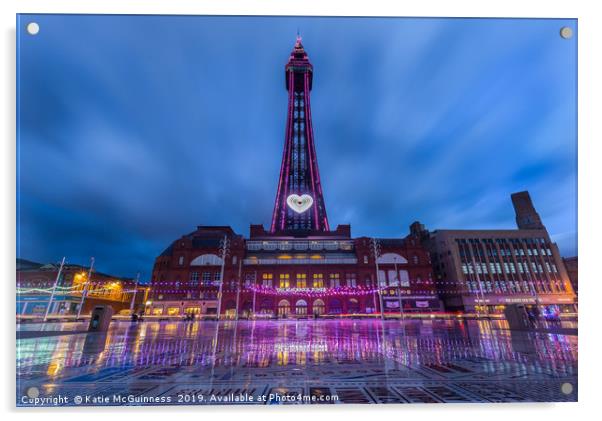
(376, 252)
(401, 315)
(135, 291)
(146, 306)
(224, 244)
(254, 292)
(85, 291)
(238, 286)
(56, 281)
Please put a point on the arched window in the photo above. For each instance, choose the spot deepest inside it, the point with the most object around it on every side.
(266, 306)
(206, 259)
(301, 307)
(353, 306)
(284, 308)
(392, 258)
(318, 307)
(335, 306)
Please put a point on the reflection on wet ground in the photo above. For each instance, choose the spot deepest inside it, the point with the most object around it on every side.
(358, 361)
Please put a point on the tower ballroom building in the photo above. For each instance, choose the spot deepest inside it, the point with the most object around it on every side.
(298, 266)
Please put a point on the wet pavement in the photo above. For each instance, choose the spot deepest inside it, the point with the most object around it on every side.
(275, 362)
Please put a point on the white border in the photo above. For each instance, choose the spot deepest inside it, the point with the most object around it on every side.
(590, 211)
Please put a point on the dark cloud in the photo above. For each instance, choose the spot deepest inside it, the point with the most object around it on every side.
(133, 130)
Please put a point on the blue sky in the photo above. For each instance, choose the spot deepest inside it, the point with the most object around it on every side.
(133, 130)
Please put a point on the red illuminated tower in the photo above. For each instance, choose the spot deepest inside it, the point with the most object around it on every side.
(299, 203)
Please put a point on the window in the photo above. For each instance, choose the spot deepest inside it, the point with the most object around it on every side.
(284, 280)
(335, 281)
(216, 277)
(301, 280)
(181, 260)
(382, 280)
(266, 279)
(351, 281)
(318, 279)
(393, 278)
(249, 279)
(234, 260)
(415, 259)
(194, 278)
(206, 278)
(365, 260)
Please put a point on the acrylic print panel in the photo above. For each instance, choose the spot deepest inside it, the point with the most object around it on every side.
(294, 210)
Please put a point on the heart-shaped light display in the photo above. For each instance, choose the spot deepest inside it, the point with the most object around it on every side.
(299, 203)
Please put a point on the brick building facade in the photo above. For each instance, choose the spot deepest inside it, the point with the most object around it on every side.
(290, 276)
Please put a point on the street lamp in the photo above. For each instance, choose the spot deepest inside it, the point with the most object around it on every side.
(376, 251)
(401, 315)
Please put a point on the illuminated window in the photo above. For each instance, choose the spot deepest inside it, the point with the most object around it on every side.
(192, 310)
(335, 281)
(301, 280)
(267, 279)
(318, 280)
(284, 280)
(173, 311)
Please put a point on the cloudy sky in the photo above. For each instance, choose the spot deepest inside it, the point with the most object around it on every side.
(134, 130)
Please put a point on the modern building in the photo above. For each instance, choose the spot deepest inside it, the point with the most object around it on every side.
(298, 267)
(486, 270)
(571, 265)
(36, 282)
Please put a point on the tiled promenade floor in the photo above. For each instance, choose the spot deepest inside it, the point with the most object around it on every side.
(349, 361)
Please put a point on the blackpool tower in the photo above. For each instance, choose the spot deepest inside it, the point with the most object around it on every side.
(299, 206)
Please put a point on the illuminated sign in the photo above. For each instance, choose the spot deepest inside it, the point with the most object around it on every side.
(300, 290)
(299, 203)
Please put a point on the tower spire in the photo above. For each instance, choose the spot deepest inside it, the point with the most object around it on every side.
(299, 202)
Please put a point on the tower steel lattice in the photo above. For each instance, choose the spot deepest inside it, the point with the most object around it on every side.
(299, 202)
